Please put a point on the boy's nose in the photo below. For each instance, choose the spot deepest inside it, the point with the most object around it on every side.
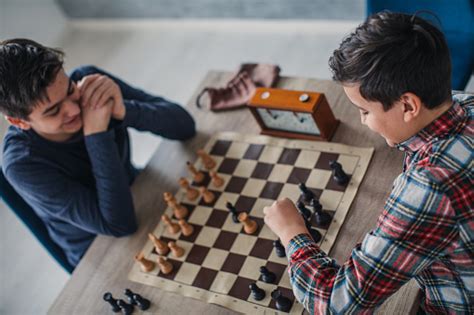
(72, 108)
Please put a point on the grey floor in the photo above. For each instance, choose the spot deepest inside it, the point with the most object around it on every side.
(168, 58)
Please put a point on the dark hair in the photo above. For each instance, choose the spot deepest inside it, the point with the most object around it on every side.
(26, 70)
(394, 53)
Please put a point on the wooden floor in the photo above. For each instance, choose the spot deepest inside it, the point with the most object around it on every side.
(168, 58)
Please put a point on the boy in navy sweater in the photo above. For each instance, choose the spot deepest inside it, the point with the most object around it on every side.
(67, 151)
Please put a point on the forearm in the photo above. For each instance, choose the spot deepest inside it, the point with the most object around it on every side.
(161, 118)
(114, 199)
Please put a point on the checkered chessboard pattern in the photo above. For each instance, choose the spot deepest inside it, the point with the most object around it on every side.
(220, 260)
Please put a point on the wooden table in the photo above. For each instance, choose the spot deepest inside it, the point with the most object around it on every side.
(108, 261)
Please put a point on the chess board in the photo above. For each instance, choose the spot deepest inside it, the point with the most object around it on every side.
(220, 260)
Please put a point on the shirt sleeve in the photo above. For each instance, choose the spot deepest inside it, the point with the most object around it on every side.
(105, 209)
(416, 226)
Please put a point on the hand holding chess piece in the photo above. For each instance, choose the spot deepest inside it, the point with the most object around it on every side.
(191, 193)
(284, 220)
(206, 159)
(198, 176)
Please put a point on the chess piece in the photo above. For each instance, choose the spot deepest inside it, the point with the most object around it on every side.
(165, 266)
(315, 235)
(175, 249)
(198, 177)
(168, 197)
(233, 210)
(279, 249)
(321, 217)
(266, 275)
(160, 247)
(282, 303)
(113, 302)
(207, 160)
(306, 193)
(338, 173)
(250, 226)
(257, 293)
(145, 264)
(179, 211)
(173, 228)
(305, 212)
(217, 181)
(186, 228)
(125, 307)
(207, 195)
(142, 303)
(129, 294)
(191, 193)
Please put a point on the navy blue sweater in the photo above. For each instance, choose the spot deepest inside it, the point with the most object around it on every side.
(80, 188)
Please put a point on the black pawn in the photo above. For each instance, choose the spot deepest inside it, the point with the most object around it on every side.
(338, 173)
(257, 293)
(129, 294)
(266, 275)
(305, 212)
(113, 302)
(321, 217)
(141, 302)
(305, 192)
(233, 210)
(315, 235)
(127, 309)
(282, 303)
(279, 249)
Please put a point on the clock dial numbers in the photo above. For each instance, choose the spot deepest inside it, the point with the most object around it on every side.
(289, 121)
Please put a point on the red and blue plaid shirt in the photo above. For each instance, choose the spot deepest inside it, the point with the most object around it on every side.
(426, 232)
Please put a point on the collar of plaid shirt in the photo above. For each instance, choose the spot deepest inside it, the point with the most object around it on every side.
(449, 122)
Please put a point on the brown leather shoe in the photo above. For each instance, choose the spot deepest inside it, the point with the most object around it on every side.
(240, 89)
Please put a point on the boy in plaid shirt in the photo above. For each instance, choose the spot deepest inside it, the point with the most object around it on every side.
(396, 70)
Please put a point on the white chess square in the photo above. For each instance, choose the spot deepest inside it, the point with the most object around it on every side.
(307, 159)
(318, 178)
(285, 280)
(253, 187)
(245, 168)
(274, 258)
(187, 273)
(207, 236)
(243, 244)
(237, 150)
(267, 233)
(330, 199)
(215, 258)
(223, 282)
(280, 173)
(348, 162)
(224, 198)
(200, 215)
(257, 209)
(270, 154)
(251, 267)
(290, 191)
(231, 226)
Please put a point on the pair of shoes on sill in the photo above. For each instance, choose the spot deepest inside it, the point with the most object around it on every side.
(240, 89)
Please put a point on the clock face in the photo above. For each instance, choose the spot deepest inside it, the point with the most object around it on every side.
(289, 121)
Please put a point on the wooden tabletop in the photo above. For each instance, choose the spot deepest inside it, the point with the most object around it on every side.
(106, 264)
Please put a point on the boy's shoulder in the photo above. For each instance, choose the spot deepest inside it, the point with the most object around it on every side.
(17, 148)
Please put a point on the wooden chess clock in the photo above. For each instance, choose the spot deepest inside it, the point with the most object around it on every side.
(293, 114)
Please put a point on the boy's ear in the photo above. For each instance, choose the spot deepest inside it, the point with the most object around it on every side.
(411, 106)
(18, 122)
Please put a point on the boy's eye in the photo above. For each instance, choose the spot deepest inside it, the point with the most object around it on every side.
(71, 88)
(55, 112)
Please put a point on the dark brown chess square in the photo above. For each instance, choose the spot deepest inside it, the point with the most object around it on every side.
(176, 265)
(236, 184)
(217, 218)
(228, 166)
(240, 289)
(277, 269)
(262, 170)
(298, 175)
(225, 240)
(253, 151)
(289, 156)
(271, 190)
(233, 263)
(191, 238)
(197, 254)
(221, 147)
(245, 203)
(217, 194)
(262, 248)
(324, 159)
(204, 278)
